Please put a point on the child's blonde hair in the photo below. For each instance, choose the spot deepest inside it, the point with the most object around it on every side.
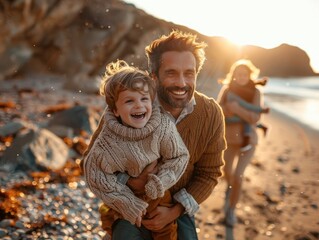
(252, 69)
(119, 76)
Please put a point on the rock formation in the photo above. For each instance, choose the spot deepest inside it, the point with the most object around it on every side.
(76, 39)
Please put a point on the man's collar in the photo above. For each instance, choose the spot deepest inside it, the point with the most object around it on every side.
(186, 110)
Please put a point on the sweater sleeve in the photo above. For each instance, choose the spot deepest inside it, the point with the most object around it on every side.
(105, 186)
(174, 160)
(207, 170)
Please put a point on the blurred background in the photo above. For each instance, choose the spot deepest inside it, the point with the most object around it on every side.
(76, 40)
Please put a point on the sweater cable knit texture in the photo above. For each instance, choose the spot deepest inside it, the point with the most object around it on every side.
(118, 148)
(203, 132)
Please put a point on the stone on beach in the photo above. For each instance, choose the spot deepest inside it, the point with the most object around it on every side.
(35, 149)
(78, 118)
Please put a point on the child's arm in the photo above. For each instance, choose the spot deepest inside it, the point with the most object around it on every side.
(233, 119)
(106, 186)
(248, 116)
(251, 107)
(174, 160)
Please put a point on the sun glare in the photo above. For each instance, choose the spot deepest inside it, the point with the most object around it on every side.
(266, 23)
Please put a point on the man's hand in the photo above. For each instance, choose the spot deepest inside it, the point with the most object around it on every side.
(161, 216)
(137, 184)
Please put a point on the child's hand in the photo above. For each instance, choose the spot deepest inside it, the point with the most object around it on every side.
(138, 221)
(137, 184)
(154, 187)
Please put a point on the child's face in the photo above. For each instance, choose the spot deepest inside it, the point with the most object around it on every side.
(241, 76)
(134, 108)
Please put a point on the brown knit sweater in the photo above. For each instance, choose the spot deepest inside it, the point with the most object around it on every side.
(118, 148)
(203, 132)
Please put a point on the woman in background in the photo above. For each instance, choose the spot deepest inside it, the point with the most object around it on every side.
(240, 81)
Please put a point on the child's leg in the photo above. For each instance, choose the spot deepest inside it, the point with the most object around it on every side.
(122, 229)
(169, 232)
(263, 127)
(247, 129)
(107, 218)
(246, 138)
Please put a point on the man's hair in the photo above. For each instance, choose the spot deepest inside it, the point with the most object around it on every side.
(175, 41)
(119, 76)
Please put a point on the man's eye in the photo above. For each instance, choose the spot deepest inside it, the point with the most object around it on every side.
(190, 74)
(170, 73)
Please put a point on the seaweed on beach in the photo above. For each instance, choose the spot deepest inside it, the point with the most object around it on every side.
(10, 198)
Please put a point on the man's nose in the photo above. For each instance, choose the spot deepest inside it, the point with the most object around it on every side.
(180, 81)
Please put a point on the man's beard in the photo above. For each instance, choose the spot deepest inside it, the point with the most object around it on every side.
(164, 94)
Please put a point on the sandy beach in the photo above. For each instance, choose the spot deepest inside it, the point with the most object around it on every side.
(280, 192)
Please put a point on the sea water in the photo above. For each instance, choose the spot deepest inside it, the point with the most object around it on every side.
(295, 97)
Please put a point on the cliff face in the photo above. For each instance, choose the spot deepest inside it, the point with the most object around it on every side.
(79, 39)
(284, 60)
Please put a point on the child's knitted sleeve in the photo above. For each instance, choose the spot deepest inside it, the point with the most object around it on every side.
(105, 186)
(173, 163)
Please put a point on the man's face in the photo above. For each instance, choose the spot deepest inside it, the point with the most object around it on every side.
(177, 79)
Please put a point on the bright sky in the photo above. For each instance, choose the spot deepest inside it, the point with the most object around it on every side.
(264, 23)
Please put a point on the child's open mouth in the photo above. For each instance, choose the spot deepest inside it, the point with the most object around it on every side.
(138, 115)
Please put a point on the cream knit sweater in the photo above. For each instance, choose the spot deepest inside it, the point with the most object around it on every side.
(118, 148)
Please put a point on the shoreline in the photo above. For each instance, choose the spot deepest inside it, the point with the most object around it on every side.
(280, 188)
(298, 109)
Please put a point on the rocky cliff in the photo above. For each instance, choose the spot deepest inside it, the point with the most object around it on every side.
(78, 38)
